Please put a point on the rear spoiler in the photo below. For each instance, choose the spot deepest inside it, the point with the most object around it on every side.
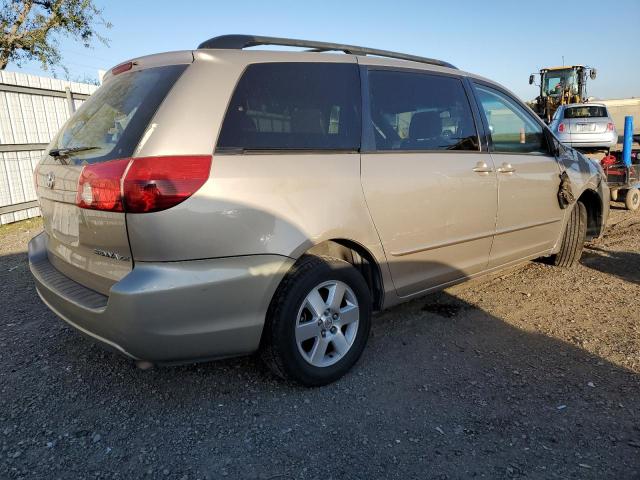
(181, 57)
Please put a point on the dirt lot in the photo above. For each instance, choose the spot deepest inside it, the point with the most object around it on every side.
(533, 373)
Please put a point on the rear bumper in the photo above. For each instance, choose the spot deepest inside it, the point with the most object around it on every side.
(586, 140)
(169, 312)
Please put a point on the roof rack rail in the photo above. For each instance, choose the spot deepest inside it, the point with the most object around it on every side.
(238, 42)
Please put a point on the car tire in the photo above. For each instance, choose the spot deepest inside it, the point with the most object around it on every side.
(614, 195)
(632, 199)
(297, 311)
(573, 238)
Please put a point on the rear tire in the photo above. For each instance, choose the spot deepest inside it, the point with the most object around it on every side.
(302, 307)
(632, 199)
(573, 238)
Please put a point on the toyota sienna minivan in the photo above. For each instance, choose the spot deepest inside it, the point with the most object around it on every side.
(222, 201)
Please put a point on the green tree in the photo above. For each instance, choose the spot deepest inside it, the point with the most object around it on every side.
(30, 27)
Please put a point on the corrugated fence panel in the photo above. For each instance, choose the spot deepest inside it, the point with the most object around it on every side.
(6, 132)
(62, 110)
(5, 194)
(41, 119)
(15, 116)
(29, 119)
(26, 175)
(16, 183)
(50, 114)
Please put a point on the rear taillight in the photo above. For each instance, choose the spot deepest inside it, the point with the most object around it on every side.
(610, 127)
(140, 185)
(561, 128)
(158, 183)
(99, 186)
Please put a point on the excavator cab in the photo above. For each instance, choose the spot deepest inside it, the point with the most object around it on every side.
(561, 86)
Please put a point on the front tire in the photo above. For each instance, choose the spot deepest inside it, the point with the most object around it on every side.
(573, 238)
(318, 322)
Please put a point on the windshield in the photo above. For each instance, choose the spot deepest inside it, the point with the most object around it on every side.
(589, 111)
(555, 81)
(111, 122)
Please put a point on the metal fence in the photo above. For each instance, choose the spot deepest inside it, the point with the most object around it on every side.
(32, 110)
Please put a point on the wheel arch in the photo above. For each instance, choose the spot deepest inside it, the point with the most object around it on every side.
(361, 258)
(593, 203)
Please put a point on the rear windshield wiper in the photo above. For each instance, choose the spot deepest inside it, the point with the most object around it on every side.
(63, 152)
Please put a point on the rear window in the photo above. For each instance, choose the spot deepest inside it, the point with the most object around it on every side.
(590, 111)
(114, 118)
(294, 106)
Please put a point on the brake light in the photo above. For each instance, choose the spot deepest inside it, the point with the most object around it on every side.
(158, 183)
(561, 128)
(610, 127)
(141, 185)
(99, 186)
(123, 67)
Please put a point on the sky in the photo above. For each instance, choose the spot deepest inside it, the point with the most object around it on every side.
(502, 40)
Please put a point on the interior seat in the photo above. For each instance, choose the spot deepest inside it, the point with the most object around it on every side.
(425, 131)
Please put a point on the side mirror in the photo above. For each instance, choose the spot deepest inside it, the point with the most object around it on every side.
(593, 73)
(531, 79)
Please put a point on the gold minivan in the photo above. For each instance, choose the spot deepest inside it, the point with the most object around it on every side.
(222, 201)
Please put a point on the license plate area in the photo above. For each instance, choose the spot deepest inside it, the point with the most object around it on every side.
(62, 221)
(585, 127)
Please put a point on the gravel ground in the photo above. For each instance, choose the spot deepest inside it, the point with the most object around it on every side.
(532, 373)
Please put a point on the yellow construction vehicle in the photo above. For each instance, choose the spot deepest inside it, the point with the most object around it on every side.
(560, 86)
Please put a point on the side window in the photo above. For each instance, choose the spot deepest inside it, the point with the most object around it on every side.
(415, 111)
(512, 128)
(294, 106)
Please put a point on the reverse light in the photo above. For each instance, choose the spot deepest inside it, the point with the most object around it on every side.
(141, 185)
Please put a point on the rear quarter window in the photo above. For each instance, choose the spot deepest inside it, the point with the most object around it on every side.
(294, 106)
(112, 121)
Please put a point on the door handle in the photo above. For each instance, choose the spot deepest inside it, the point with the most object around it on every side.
(482, 167)
(506, 168)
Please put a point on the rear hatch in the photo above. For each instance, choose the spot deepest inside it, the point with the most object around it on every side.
(87, 234)
(587, 119)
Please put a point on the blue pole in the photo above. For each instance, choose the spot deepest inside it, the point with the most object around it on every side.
(628, 138)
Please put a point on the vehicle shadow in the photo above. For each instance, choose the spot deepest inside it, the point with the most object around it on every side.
(624, 265)
(443, 390)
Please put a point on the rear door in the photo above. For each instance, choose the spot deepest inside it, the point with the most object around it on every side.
(91, 246)
(430, 189)
(529, 217)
